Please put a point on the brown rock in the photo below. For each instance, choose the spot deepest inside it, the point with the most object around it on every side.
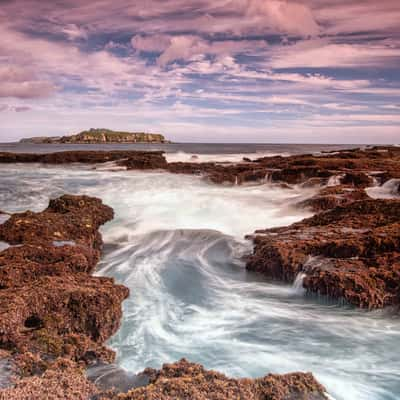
(333, 196)
(185, 380)
(149, 160)
(357, 179)
(351, 252)
(63, 381)
(49, 304)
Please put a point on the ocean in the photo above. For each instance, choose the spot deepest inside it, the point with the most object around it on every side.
(178, 243)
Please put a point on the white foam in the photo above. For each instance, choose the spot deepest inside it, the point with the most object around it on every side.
(389, 190)
(334, 180)
(181, 156)
(4, 245)
(298, 283)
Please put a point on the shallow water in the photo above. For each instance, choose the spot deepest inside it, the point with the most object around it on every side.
(177, 243)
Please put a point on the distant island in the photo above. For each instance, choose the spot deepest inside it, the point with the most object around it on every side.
(94, 136)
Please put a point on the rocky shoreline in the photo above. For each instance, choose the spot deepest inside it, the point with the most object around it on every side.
(56, 316)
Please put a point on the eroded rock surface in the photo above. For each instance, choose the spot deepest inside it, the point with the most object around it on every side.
(349, 252)
(50, 307)
(185, 380)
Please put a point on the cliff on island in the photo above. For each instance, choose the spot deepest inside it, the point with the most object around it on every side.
(94, 136)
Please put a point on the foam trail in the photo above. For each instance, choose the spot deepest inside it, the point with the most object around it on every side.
(389, 190)
(298, 283)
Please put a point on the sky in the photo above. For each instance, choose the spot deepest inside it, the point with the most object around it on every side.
(267, 71)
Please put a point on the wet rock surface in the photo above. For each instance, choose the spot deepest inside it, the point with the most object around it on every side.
(333, 196)
(51, 309)
(185, 380)
(350, 252)
(82, 156)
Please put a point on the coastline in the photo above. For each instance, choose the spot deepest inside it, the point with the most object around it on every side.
(339, 206)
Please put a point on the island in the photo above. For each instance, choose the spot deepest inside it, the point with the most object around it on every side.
(95, 136)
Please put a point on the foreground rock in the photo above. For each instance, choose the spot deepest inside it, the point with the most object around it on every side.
(185, 380)
(350, 252)
(63, 380)
(51, 309)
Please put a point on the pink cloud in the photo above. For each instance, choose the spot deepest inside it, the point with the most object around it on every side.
(150, 43)
(323, 54)
(284, 16)
(22, 83)
(74, 32)
(26, 90)
(188, 46)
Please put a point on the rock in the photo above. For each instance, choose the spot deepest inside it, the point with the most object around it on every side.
(357, 179)
(333, 196)
(349, 252)
(110, 377)
(49, 303)
(68, 218)
(185, 380)
(219, 174)
(66, 157)
(63, 381)
(52, 306)
(154, 160)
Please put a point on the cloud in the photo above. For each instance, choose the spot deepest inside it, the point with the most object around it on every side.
(186, 47)
(346, 17)
(284, 16)
(5, 107)
(289, 64)
(74, 32)
(22, 83)
(321, 53)
(151, 43)
(26, 90)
